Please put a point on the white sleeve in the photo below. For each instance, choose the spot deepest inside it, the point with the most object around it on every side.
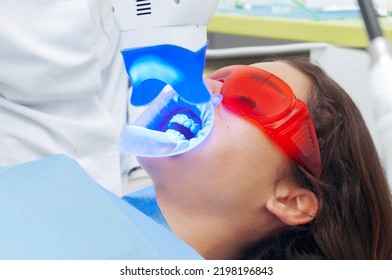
(63, 89)
(48, 51)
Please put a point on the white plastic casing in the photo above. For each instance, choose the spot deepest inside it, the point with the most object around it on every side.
(145, 23)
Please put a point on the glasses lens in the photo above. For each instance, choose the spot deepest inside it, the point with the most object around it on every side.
(258, 95)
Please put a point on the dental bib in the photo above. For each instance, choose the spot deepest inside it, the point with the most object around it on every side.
(169, 126)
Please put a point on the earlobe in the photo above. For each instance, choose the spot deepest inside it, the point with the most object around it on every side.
(293, 205)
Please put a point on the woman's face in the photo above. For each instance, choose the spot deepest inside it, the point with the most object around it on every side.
(234, 169)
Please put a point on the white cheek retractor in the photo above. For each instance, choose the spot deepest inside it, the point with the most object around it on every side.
(169, 126)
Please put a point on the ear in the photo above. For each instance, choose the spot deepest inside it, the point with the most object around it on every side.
(293, 205)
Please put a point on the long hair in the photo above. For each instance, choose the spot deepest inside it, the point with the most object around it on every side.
(354, 220)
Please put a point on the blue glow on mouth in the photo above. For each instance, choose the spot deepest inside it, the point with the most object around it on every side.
(169, 126)
(181, 127)
(179, 119)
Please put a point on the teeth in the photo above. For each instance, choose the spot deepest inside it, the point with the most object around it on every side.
(188, 123)
(184, 121)
(195, 128)
(176, 135)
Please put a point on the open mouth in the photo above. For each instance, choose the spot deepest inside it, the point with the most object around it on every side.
(169, 126)
(178, 119)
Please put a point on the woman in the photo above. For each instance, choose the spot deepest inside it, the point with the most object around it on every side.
(255, 191)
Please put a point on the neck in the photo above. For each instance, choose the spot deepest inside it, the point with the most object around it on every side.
(208, 238)
(212, 235)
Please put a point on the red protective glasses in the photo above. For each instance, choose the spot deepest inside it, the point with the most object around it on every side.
(270, 103)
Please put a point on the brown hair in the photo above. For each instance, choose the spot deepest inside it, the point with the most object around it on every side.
(355, 215)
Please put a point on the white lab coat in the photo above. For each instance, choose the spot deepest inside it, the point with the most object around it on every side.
(63, 88)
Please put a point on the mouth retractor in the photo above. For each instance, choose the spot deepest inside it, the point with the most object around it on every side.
(169, 126)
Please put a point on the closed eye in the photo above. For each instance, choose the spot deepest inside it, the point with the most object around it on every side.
(247, 102)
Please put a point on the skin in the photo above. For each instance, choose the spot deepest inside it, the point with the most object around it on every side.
(227, 193)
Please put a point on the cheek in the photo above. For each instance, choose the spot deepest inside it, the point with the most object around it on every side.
(255, 157)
